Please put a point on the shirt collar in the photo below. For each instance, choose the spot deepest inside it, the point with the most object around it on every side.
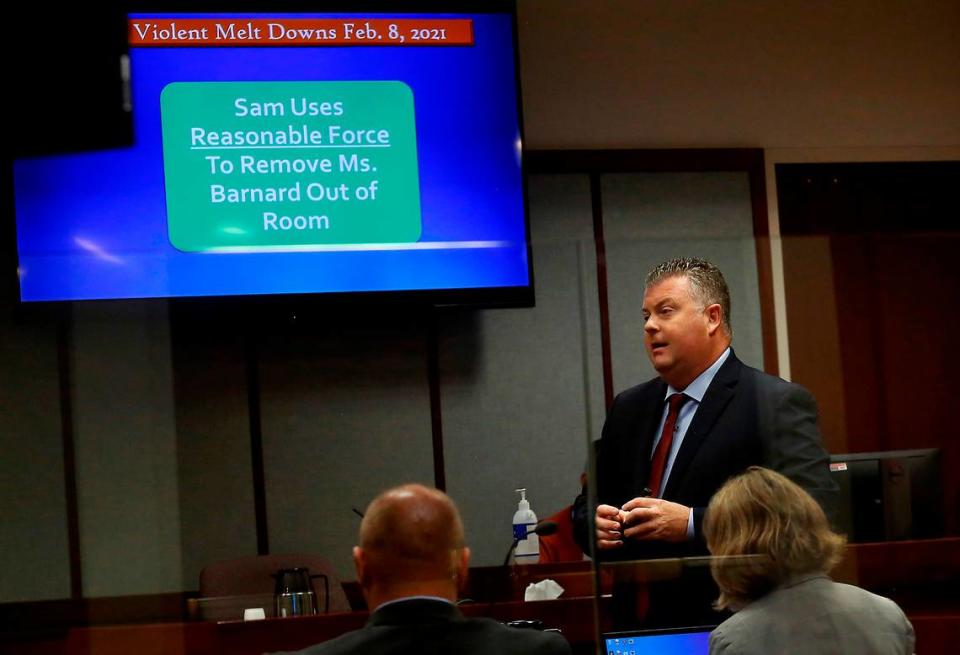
(802, 578)
(698, 388)
(406, 598)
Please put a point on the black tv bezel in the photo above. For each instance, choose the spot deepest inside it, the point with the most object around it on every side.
(478, 297)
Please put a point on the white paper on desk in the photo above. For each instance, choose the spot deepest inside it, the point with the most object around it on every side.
(543, 590)
(254, 614)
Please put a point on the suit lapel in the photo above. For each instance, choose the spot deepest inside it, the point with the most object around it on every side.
(715, 401)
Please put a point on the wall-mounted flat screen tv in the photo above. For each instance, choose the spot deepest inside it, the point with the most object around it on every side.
(294, 153)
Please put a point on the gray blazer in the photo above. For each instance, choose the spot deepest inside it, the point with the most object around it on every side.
(814, 615)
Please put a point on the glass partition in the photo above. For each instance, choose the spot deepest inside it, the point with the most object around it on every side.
(144, 441)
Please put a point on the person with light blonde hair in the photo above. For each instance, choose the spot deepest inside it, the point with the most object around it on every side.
(773, 549)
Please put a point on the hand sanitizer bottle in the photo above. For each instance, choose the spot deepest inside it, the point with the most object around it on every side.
(528, 543)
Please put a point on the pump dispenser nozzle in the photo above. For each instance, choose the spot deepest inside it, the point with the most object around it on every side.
(524, 504)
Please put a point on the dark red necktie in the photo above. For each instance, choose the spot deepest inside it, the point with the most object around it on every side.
(658, 464)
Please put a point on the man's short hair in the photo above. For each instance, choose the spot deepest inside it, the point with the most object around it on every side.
(763, 514)
(411, 533)
(707, 284)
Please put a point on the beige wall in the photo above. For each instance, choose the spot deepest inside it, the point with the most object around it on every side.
(784, 73)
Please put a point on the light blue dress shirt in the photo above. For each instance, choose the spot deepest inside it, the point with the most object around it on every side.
(694, 392)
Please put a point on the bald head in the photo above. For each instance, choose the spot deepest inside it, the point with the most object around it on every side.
(411, 535)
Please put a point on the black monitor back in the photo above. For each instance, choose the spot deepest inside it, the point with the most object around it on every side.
(890, 495)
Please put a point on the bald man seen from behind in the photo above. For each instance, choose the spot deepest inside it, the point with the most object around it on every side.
(410, 563)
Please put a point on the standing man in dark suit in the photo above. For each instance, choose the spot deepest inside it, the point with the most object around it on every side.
(670, 443)
(410, 563)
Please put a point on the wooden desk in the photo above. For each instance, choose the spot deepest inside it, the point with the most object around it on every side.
(575, 616)
(149, 639)
(498, 583)
(922, 576)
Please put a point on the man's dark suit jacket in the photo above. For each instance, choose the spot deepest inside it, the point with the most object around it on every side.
(746, 418)
(425, 626)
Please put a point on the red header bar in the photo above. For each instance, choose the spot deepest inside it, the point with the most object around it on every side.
(299, 32)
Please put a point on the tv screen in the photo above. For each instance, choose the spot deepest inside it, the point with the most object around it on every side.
(293, 153)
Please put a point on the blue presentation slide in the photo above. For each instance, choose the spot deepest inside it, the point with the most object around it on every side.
(291, 154)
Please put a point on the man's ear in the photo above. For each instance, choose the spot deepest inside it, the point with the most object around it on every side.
(714, 318)
(360, 563)
(462, 567)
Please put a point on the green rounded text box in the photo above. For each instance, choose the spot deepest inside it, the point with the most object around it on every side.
(289, 165)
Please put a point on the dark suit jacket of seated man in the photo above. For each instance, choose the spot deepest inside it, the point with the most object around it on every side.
(410, 563)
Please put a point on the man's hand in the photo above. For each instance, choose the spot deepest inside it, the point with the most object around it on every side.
(607, 522)
(653, 519)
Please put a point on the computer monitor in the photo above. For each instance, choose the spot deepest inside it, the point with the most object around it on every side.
(673, 641)
(890, 495)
